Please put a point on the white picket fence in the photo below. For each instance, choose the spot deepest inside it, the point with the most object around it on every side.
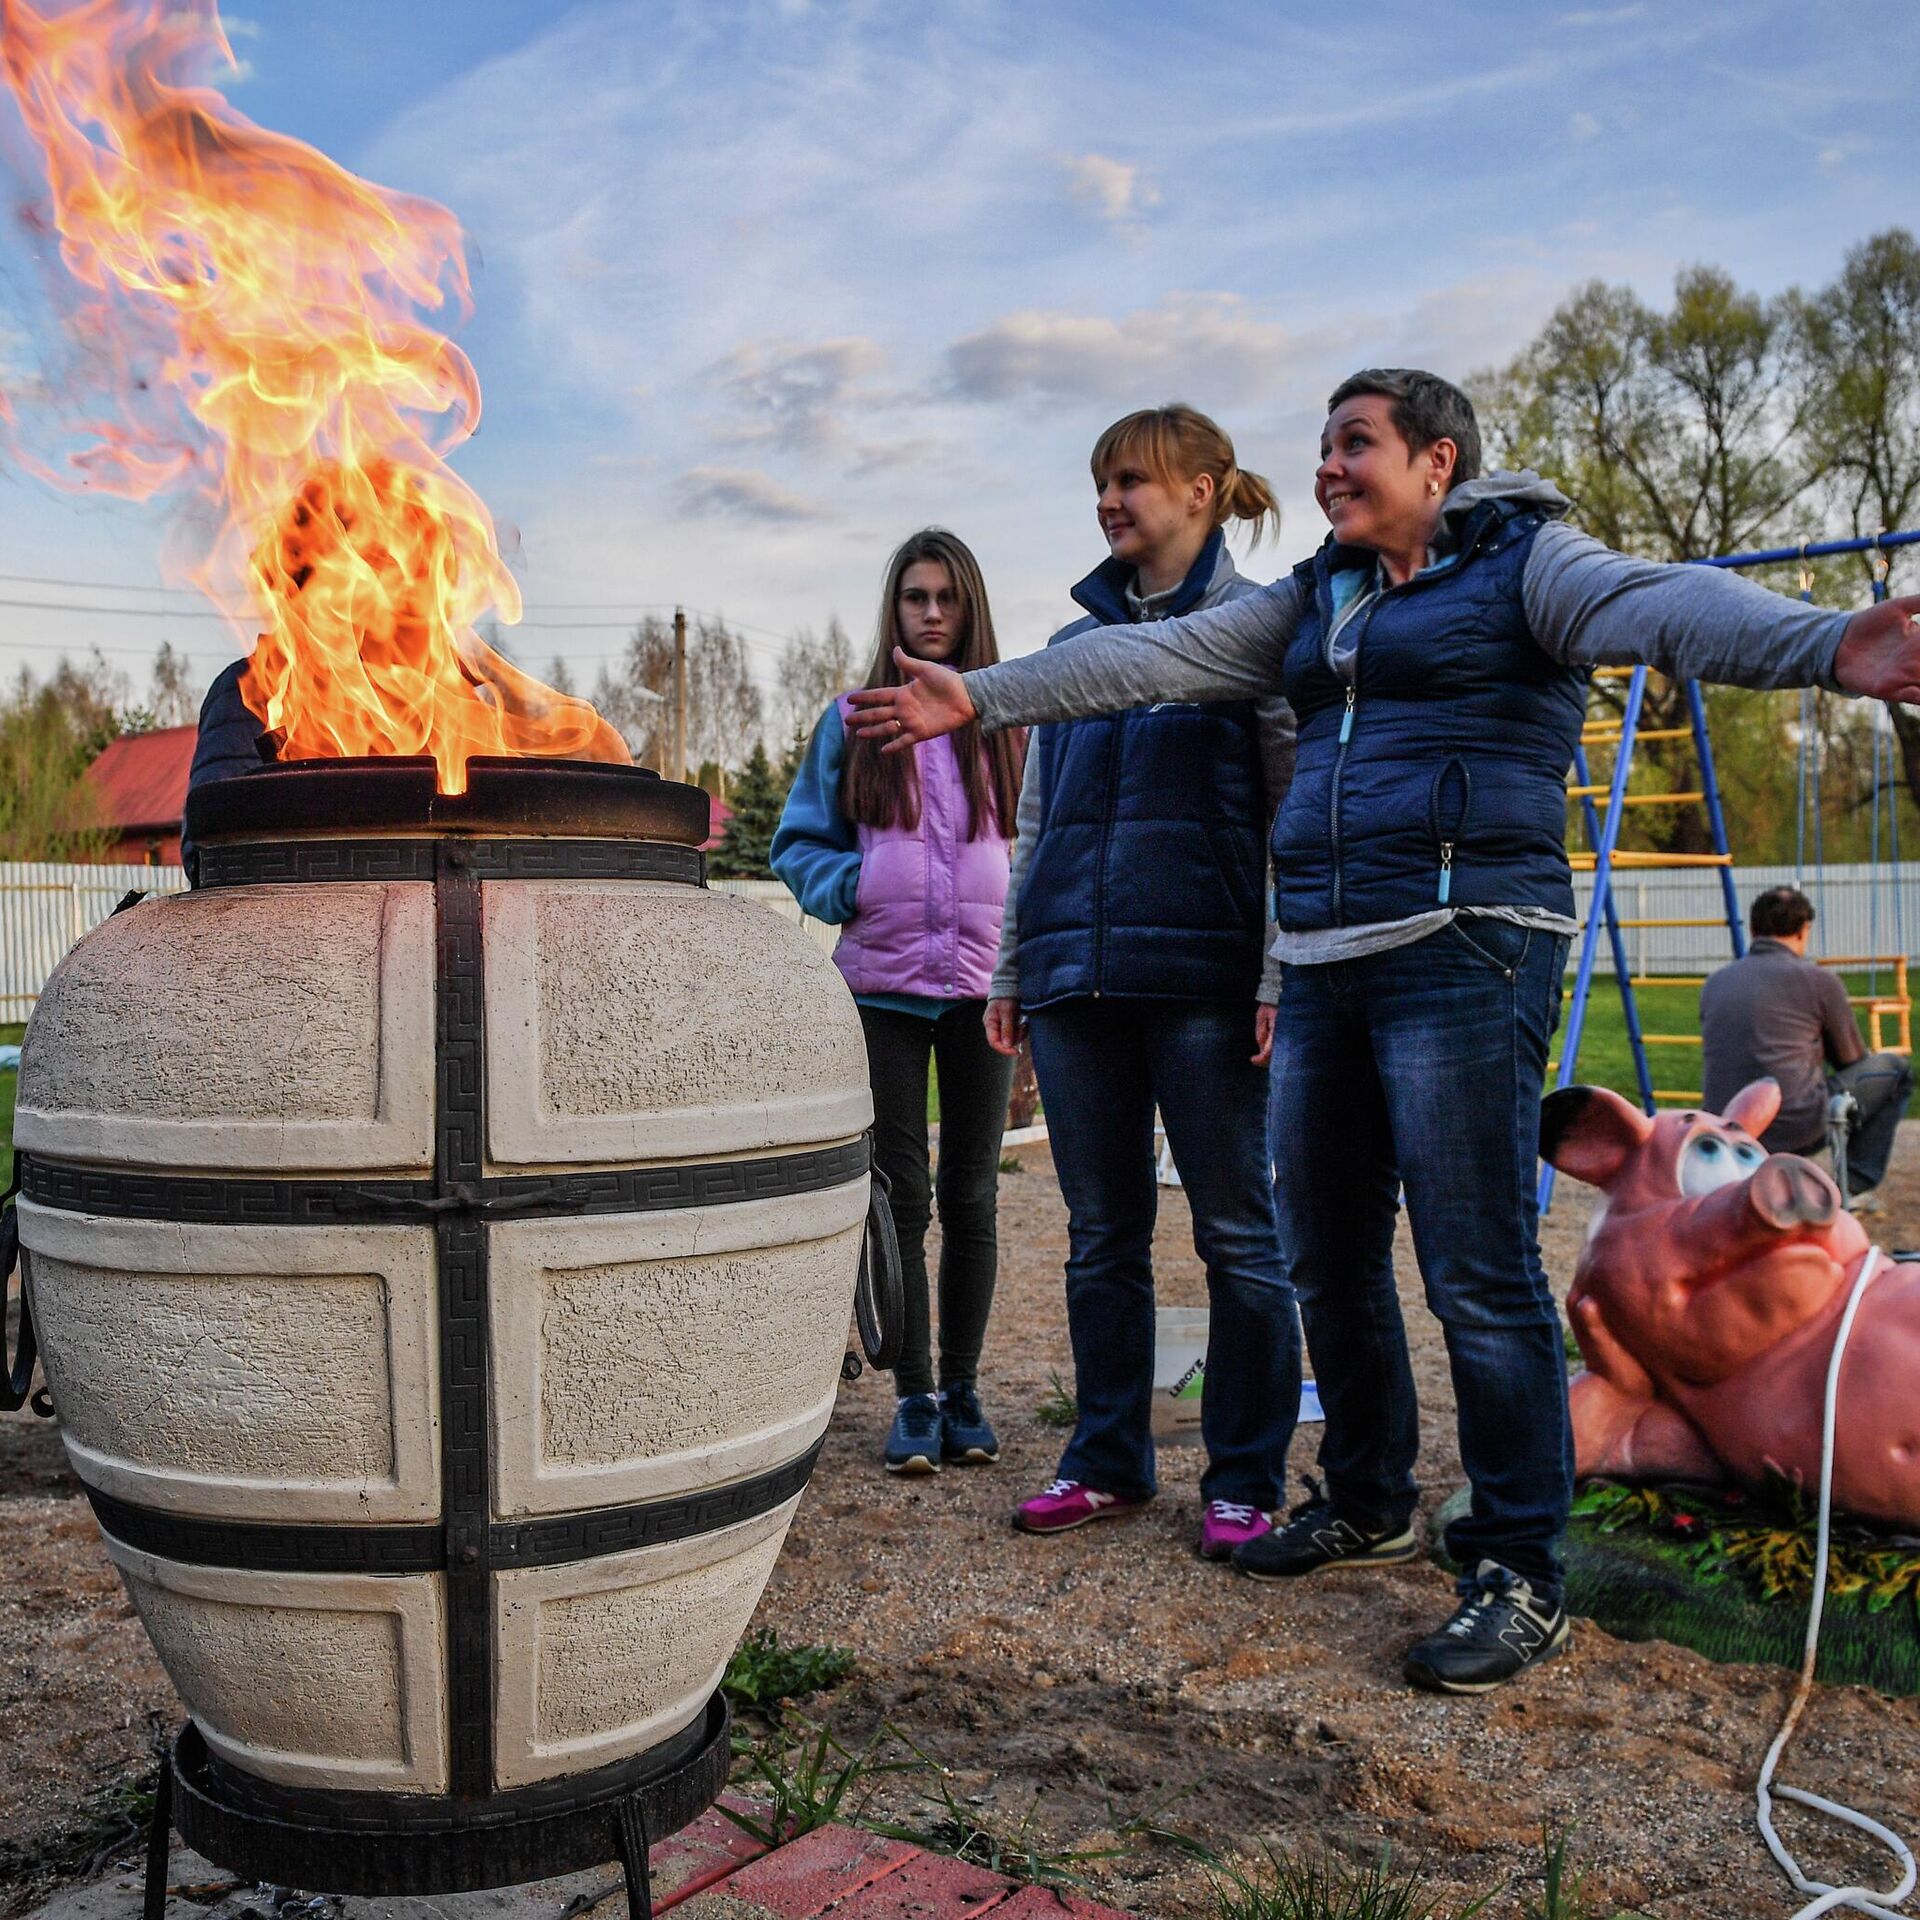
(45, 908)
(1857, 910)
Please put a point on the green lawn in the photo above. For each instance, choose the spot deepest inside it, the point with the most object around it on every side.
(9, 1085)
(1607, 1061)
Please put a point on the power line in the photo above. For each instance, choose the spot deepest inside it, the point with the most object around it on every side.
(754, 635)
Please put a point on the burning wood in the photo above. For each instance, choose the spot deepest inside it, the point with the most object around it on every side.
(259, 313)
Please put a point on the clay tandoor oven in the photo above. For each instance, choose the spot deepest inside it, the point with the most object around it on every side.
(441, 1228)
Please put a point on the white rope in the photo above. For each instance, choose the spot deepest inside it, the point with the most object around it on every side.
(1830, 1898)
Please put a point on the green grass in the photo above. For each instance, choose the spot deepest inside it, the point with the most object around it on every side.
(763, 1672)
(14, 1032)
(1607, 1061)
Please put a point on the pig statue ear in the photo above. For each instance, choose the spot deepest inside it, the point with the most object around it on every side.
(1754, 1107)
(1590, 1132)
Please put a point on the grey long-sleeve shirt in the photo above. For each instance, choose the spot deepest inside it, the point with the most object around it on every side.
(1585, 604)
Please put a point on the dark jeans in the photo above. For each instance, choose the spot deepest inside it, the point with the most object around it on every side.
(1103, 1066)
(1424, 1065)
(974, 1084)
(1882, 1083)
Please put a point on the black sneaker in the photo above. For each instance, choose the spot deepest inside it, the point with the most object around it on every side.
(913, 1445)
(1495, 1631)
(965, 1436)
(1316, 1537)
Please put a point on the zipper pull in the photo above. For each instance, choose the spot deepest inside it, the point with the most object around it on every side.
(1346, 719)
(1446, 870)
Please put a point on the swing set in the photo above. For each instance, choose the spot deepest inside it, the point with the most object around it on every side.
(1605, 803)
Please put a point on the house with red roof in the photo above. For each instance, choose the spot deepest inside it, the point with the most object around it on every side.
(139, 785)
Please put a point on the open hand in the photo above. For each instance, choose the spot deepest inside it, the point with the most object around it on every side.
(1879, 654)
(931, 700)
(1004, 1026)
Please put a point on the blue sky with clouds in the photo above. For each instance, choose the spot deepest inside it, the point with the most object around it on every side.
(761, 285)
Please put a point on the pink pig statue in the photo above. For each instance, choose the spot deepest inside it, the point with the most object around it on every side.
(1706, 1301)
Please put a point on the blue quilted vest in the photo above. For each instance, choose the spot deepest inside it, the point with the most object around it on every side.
(1441, 780)
(1148, 877)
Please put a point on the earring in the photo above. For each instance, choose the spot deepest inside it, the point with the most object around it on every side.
(1433, 487)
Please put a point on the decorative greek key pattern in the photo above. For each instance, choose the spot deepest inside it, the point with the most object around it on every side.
(269, 1548)
(586, 1536)
(212, 1200)
(255, 863)
(266, 863)
(316, 1547)
(460, 1242)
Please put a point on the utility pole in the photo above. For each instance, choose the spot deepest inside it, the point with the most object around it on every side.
(679, 693)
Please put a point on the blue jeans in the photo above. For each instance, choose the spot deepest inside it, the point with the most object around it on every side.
(1423, 1065)
(1103, 1066)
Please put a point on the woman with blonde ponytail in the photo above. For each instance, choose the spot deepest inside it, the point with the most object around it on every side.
(1133, 948)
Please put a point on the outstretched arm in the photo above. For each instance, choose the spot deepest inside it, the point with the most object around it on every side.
(1229, 652)
(1590, 606)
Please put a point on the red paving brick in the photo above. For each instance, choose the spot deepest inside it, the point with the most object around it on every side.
(698, 1856)
(928, 1887)
(804, 1879)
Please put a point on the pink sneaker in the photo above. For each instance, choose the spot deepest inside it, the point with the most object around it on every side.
(1226, 1525)
(1066, 1503)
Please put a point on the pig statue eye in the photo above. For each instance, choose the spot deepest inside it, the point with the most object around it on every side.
(1711, 1161)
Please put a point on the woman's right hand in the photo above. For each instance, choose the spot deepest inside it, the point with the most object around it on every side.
(1005, 1028)
(931, 700)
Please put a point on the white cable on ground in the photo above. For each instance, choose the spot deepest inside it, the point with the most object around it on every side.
(1830, 1898)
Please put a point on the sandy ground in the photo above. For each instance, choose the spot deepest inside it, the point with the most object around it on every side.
(1078, 1682)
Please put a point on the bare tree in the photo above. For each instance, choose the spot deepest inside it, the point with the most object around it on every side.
(725, 713)
(1677, 435)
(1860, 341)
(814, 669)
(635, 693)
(560, 676)
(175, 699)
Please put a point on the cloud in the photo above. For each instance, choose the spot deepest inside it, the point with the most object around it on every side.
(747, 494)
(1582, 127)
(791, 395)
(1194, 341)
(1109, 189)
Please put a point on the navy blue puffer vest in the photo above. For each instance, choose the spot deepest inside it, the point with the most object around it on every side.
(1445, 782)
(1148, 876)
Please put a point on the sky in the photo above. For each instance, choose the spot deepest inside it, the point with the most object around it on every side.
(761, 286)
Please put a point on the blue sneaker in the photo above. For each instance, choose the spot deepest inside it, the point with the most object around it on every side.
(965, 1436)
(914, 1444)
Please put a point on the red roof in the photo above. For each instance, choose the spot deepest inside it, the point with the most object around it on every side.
(140, 779)
(718, 814)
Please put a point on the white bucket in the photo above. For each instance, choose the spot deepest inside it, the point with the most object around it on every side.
(1180, 1376)
(1179, 1371)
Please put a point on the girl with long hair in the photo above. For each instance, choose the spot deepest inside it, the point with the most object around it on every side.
(1132, 949)
(908, 854)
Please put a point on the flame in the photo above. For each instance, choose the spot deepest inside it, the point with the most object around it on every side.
(257, 314)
